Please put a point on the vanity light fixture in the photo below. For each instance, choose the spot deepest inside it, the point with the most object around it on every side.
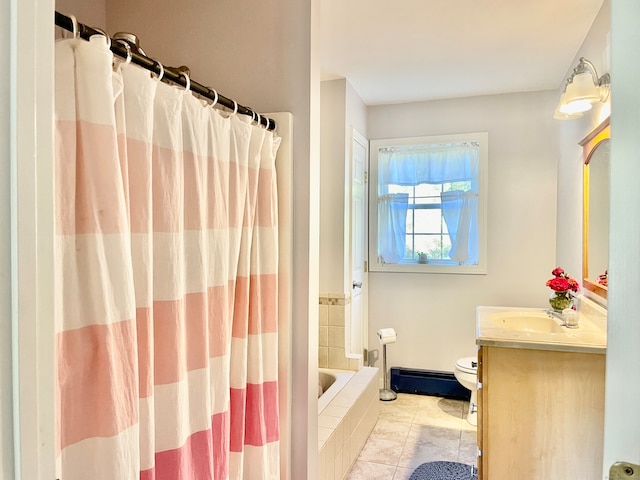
(582, 89)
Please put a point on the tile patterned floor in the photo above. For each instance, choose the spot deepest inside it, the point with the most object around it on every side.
(414, 429)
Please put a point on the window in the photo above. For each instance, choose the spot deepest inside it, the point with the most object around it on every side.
(428, 204)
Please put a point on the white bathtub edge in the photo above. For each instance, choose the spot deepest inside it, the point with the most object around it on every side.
(342, 378)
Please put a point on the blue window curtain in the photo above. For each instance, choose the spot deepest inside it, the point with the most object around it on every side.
(433, 164)
(392, 227)
(408, 165)
(460, 212)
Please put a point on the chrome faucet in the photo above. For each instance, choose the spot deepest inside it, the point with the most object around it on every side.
(553, 313)
(559, 316)
(563, 319)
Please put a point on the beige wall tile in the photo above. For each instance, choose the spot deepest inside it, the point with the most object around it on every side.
(323, 336)
(336, 337)
(323, 357)
(337, 359)
(324, 315)
(355, 364)
(336, 315)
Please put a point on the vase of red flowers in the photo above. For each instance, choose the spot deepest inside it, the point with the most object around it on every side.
(563, 286)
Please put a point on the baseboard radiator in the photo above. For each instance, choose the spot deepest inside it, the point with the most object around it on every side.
(427, 382)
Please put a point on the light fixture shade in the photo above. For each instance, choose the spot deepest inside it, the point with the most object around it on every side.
(583, 89)
(558, 115)
(576, 106)
(580, 94)
(572, 108)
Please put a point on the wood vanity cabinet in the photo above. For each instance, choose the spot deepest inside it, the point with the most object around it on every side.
(540, 414)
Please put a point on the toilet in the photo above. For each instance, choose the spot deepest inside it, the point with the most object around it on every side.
(466, 373)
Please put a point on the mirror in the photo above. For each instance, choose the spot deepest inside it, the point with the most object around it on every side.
(595, 236)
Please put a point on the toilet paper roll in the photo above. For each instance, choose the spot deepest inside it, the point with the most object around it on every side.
(387, 335)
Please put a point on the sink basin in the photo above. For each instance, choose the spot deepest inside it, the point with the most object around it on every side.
(522, 327)
(527, 322)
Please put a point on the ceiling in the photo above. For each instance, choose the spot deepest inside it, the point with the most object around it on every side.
(415, 50)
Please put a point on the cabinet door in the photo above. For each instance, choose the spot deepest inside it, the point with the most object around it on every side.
(542, 414)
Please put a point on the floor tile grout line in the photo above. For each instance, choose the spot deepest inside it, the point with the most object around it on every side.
(415, 406)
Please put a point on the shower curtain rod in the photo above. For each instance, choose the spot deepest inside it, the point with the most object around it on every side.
(170, 73)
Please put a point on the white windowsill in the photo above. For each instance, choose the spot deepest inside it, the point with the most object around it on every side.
(432, 267)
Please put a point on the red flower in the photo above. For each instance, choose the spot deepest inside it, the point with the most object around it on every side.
(561, 281)
(559, 284)
(573, 284)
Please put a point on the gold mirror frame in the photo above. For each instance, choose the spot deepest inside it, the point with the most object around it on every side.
(589, 144)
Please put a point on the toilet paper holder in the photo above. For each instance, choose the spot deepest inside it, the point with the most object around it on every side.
(386, 336)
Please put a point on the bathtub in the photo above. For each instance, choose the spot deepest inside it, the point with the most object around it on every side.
(347, 412)
(330, 382)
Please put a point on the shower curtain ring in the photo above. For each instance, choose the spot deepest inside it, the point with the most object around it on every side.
(74, 26)
(187, 80)
(107, 37)
(268, 122)
(215, 96)
(259, 119)
(128, 49)
(161, 74)
(235, 107)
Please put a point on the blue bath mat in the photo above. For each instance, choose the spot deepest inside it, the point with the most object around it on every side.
(443, 471)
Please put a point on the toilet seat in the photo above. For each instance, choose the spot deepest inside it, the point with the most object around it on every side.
(464, 365)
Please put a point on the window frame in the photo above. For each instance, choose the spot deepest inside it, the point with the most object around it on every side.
(410, 267)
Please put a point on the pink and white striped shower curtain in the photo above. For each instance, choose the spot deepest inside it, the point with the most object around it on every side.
(166, 280)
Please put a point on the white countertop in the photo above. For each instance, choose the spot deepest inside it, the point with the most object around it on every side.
(589, 337)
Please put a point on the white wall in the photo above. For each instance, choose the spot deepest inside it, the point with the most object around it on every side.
(26, 241)
(257, 53)
(341, 110)
(570, 166)
(356, 113)
(333, 138)
(6, 391)
(89, 12)
(434, 315)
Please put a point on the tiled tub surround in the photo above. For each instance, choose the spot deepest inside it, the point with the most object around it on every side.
(331, 335)
(331, 382)
(345, 421)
